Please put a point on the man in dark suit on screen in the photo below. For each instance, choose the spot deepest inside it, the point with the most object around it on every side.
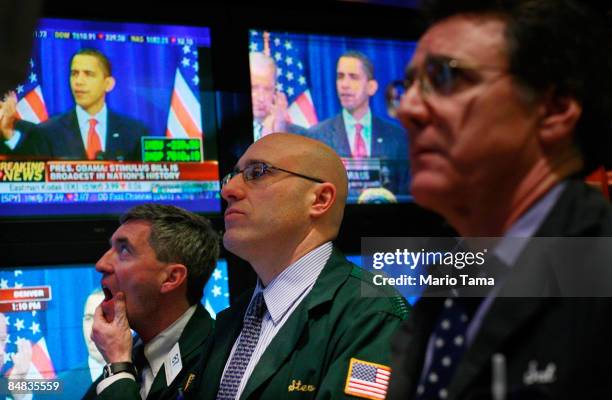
(356, 132)
(91, 131)
(508, 108)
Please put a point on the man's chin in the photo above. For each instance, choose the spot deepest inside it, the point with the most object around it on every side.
(430, 190)
(235, 242)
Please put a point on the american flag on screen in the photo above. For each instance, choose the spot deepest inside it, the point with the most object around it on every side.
(27, 325)
(185, 116)
(216, 291)
(31, 104)
(367, 380)
(290, 73)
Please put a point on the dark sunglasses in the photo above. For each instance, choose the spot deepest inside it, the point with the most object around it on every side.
(258, 169)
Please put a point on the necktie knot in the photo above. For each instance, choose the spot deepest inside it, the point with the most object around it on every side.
(258, 306)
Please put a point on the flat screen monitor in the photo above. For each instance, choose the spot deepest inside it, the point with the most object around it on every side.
(332, 88)
(111, 115)
(50, 309)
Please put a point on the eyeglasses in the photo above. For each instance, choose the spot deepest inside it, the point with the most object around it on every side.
(440, 75)
(258, 169)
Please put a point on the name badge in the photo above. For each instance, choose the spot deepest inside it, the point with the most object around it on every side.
(173, 364)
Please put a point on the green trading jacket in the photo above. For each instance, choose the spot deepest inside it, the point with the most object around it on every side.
(310, 355)
(193, 343)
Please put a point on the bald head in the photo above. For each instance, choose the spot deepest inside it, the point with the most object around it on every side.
(313, 158)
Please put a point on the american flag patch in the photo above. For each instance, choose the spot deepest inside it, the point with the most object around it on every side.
(367, 380)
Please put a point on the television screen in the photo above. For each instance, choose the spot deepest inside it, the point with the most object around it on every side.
(50, 309)
(111, 115)
(332, 88)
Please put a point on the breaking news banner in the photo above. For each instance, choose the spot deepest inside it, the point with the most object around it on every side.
(38, 182)
(484, 266)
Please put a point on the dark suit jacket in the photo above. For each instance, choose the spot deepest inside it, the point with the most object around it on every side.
(194, 343)
(60, 138)
(332, 324)
(25, 127)
(567, 335)
(389, 143)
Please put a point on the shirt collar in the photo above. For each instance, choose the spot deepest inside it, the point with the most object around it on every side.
(349, 120)
(284, 290)
(511, 246)
(84, 117)
(156, 350)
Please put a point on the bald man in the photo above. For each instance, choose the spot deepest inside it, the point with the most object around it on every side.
(306, 329)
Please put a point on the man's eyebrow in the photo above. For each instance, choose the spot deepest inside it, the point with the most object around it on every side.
(119, 241)
(250, 162)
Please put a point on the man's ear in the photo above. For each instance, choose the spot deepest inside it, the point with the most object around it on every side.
(324, 198)
(560, 116)
(372, 87)
(109, 82)
(176, 274)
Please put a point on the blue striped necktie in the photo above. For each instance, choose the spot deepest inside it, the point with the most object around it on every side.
(244, 350)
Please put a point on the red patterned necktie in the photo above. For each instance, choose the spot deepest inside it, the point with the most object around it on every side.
(360, 146)
(93, 141)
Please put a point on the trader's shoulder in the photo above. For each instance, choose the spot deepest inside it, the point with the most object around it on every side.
(365, 294)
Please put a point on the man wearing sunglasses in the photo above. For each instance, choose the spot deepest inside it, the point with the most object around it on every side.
(306, 329)
(508, 107)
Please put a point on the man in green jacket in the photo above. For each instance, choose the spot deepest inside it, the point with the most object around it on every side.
(153, 278)
(308, 330)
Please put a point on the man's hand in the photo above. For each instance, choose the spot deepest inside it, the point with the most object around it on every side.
(111, 330)
(276, 121)
(8, 115)
(21, 360)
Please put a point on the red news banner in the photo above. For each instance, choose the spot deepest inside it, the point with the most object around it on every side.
(31, 298)
(108, 171)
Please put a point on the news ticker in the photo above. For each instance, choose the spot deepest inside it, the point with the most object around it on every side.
(106, 171)
(113, 37)
(26, 298)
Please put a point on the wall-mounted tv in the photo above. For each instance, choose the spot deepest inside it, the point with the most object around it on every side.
(332, 88)
(111, 115)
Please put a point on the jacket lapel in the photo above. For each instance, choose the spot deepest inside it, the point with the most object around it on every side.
(228, 327)
(283, 344)
(75, 148)
(197, 330)
(378, 144)
(114, 148)
(340, 137)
